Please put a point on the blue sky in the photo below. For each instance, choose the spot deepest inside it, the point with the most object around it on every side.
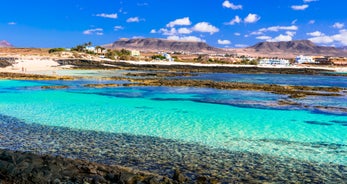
(220, 23)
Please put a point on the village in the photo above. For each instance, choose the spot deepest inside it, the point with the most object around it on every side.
(181, 56)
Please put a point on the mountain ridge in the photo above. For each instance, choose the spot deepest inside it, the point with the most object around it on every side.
(293, 48)
(154, 44)
(5, 44)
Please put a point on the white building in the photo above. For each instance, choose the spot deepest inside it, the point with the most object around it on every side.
(274, 62)
(135, 53)
(304, 59)
(168, 57)
(90, 48)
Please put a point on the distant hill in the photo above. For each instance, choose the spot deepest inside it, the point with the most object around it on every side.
(153, 44)
(292, 48)
(5, 44)
(343, 48)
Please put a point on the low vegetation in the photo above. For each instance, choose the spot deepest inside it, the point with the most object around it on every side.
(56, 50)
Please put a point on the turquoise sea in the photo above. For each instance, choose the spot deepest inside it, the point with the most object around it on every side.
(230, 121)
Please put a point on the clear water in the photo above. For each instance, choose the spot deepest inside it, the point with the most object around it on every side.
(233, 120)
(282, 79)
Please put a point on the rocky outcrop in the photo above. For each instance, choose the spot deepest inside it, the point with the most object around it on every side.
(7, 61)
(84, 63)
(24, 76)
(25, 167)
(153, 44)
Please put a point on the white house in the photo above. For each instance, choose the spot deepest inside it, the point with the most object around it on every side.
(134, 53)
(274, 62)
(304, 59)
(168, 57)
(90, 48)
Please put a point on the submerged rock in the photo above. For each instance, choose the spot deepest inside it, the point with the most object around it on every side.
(24, 76)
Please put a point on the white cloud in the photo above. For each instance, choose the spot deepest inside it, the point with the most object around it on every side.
(237, 34)
(228, 4)
(263, 38)
(133, 19)
(315, 34)
(184, 31)
(142, 4)
(237, 20)
(340, 38)
(257, 33)
(97, 31)
(12, 23)
(299, 7)
(322, 39)
(311, 22)
(251, 18)
(338, 25)
(241, 45)
(111, 16)
(294, 21)
(116, 28)
(205, 27)
(308, 1)
(224, 42)
(281, 38)
(179, 22)
(168, 32)
(278, 28)
(290, 33)
(153, 31)
(186, 38)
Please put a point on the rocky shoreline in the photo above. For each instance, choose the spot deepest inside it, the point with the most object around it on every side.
(188, 68)
(26, 167)
(25, 76)
(46, 154)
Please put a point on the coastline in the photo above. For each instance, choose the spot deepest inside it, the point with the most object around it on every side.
(32, 64)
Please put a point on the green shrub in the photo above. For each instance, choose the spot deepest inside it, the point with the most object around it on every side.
(56, 50)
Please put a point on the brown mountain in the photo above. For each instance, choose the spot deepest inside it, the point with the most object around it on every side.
(5, 44)
(292, 48)
(153, 44)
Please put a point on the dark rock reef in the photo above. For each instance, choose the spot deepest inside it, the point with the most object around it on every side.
(90, 64)
(25, 167)
(292, 91)
(24, 76)
(219, 69)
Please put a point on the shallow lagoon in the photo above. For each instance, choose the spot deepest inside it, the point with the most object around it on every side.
(223, 121)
